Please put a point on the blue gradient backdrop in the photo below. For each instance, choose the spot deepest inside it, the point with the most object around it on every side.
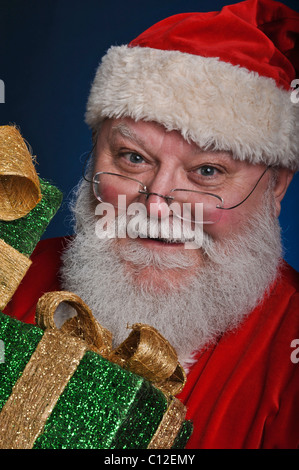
(49, 51)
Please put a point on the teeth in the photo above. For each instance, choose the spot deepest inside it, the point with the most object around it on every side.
(165, 240)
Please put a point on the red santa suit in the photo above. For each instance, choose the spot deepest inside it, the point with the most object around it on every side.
(223, 79)
(241, 393)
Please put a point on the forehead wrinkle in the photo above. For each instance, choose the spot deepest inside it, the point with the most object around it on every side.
(126, 132)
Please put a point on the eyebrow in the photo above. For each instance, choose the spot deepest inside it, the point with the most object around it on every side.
(127, 133)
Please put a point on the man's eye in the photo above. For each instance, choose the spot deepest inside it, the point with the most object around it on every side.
(207, 170)
(133, 158)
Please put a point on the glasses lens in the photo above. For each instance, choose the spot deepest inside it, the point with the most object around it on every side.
(111, 187)
(196, 207)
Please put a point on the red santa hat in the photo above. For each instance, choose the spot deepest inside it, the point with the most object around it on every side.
(223, 79)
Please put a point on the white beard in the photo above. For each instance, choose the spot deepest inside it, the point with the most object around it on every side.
(233, 278)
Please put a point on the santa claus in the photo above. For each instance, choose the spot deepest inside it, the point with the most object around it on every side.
(195, 112)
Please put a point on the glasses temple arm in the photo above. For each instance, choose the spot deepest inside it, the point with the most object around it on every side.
(237, 205)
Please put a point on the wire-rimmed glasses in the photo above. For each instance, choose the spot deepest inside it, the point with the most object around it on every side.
(184, 203)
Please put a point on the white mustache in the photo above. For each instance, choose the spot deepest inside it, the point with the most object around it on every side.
(169, 230)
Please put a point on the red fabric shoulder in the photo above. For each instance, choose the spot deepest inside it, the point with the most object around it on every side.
(243, 392)
(42, 276)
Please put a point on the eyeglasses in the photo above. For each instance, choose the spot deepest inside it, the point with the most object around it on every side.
(184, 203)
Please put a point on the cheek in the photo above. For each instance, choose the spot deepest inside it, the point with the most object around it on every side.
(231, 222)
(108, 194)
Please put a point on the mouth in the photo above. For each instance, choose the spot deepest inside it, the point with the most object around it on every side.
(161, 241)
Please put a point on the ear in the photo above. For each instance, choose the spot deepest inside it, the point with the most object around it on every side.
(283, 177)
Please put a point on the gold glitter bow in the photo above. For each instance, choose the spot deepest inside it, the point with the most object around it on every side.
(19, 194)
(19, 183)
(145, 352)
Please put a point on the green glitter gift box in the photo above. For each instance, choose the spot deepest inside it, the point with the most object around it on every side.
(103, 406)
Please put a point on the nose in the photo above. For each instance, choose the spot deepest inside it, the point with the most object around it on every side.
(157, 205)
(157, 198)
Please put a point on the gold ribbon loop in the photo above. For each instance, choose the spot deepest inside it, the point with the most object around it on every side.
(147, 353)
(83, 325)
(19, 183)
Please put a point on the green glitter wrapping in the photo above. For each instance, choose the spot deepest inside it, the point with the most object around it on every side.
(24, 234)
(19, 341)
(139, 426)
(102, 407)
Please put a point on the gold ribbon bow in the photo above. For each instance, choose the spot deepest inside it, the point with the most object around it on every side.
(19, 194)
(145, 352)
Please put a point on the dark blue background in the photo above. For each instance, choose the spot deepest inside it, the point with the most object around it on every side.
(49, 52)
